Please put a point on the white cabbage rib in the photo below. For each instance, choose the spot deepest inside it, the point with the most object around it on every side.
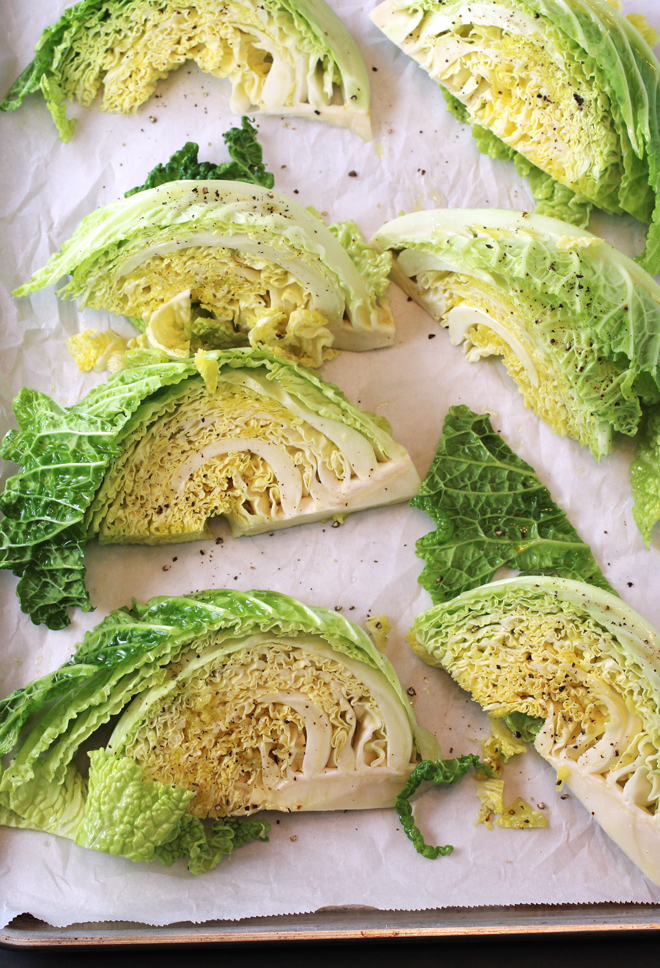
(271, 722)
(587, 664)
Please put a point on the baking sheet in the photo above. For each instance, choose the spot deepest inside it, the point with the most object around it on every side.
(420, 158)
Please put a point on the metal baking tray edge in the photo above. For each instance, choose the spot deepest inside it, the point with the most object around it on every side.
(344, 924)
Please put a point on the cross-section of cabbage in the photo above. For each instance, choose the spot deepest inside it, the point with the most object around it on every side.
(576, 322)
(580, 659)
(150, 456)
(252, 450)
(567, 90)
(216, 264)
(284, 57)
(229, 703)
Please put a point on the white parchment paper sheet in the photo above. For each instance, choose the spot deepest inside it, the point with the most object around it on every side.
(420, 158)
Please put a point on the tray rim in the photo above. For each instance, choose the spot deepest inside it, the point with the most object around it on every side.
(344, 924)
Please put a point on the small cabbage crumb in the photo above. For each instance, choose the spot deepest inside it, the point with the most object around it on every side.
(378, 627)
(500, 746)
(94, 350)
(568, 242)
(519, 815)
(208, 369)
(490, 792)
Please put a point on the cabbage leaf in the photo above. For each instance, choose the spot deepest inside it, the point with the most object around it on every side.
(137, 461)
(584, 663)
(213, 264)
(304, 710)
(572, 89)
(645, 475)
(283, 57)
(246, 163)
(491, 511)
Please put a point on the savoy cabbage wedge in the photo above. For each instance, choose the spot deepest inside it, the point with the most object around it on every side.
(152, 455)
(283, 57)
(576, 322)
(569, 90)
(214, 264)
(585, 668)
(231, 703)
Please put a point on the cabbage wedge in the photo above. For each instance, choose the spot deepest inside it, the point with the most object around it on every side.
(576, 322)
(284, 57)
(215, 264)
(152, 455)
(229, 703)
(570, 91)
(583, 669)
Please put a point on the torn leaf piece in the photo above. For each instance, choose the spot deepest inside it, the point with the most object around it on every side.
(519, 815)
(491, 510)
(584, 662)
(438, 772)
(246, 163)
(490, 792)
(577, 327)
(99, 351)
(154, 454)
(217, 264)
(379, 627)
(283, 57)
(500, 746)
(224, 703)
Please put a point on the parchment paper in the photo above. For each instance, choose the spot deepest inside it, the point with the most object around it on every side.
(420, 158)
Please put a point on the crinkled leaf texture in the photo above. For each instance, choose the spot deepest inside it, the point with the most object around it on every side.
(491, 511)
(246, 163)
(585, 663)
(555, 83)
(284, 57)
(311, 687)
(576, 322)
(645, 475)
(94, 467)
(211, 264)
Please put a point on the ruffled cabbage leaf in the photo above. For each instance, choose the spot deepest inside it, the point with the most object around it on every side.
(163, 447)
(283, 57)
(229, 703)
(247, 163)
(572, 90)
(491, 511)
(645, 475)
(576, 322)
(215, 264)
(584, 663)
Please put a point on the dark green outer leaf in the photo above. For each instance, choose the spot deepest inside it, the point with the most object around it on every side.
(246, 165)
(492, 511)
(65, 454)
